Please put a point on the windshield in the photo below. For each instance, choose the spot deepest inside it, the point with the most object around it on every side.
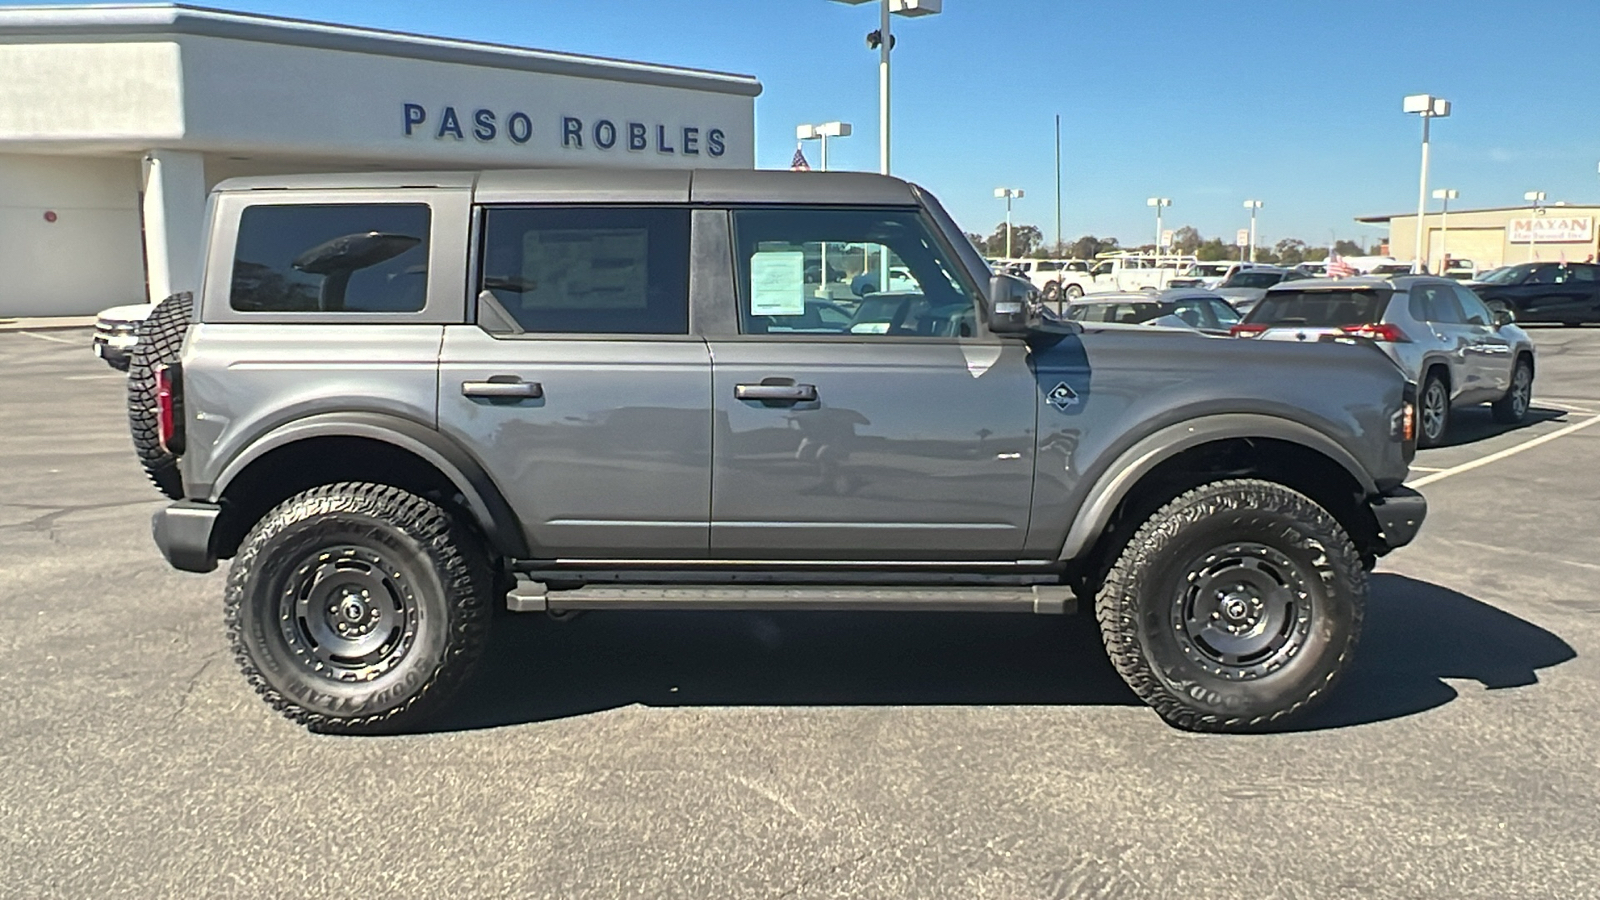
(1321, 309)
(1248, 279)
(1508, 275)
(977, 267)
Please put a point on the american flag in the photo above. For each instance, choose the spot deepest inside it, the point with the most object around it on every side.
(1338, 268)
(799, 163)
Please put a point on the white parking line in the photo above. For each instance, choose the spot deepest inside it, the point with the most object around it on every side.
(1426, 469)
(1581, 406)
(47, 337)
(1509, 451)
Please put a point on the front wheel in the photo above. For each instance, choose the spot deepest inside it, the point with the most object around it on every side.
(357, 608)
(1234, 607)
(1073, 292)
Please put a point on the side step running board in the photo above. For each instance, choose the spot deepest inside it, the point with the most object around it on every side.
(534, 596)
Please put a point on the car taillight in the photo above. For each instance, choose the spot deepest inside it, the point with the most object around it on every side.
(169, 409)
(1247, 330)
(1382, 331)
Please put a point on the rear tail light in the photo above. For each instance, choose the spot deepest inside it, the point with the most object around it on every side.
(1382, 332)
(1247, 329)
(169, 408)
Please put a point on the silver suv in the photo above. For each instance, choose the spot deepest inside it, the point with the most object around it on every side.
(401, 401)
(1435, 329)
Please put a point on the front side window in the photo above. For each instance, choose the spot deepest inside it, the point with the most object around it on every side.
(584, 270)
(847, 271)
(336, 257)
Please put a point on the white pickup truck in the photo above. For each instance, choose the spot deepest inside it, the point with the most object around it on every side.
(1130, 272)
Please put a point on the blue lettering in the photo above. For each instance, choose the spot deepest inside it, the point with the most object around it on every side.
(714, 144)
(661, 140)
(415, 115)
(519, 127)
(571, 131)
(605, 135)
(449, 124)
(691, 140)
(637, 139)
(485, 130)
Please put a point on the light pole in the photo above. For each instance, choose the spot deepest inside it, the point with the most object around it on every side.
(1010, 194)
(1429, 108)
(821, 133)
(1159, 203)
(1445, 194)
(1537, 199)
(883, 41)
(1252, 205)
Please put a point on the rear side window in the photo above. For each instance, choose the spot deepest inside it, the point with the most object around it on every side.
(346, 257)
(1436, 303)
(587, 270)
(1321, 309)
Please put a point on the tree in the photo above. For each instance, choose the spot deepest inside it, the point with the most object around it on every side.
(1215, 250)
(1089, 246)
(1291, 251)
(1187, 239)
(1348, 248)
(1024, 239)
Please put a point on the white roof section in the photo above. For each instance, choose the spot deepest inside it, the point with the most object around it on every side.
(146, 21)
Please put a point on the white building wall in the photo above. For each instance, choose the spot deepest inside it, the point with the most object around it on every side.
(128, 93)
(90, 257)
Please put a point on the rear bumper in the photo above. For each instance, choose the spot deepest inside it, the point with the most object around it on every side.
(183, 531)
(1399, 512)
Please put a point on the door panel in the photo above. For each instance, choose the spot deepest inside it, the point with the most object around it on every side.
(912, 449)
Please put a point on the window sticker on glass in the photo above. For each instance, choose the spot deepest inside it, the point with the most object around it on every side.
(778, 283)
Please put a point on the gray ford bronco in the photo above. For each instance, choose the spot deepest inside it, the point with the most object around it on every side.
(404, 404)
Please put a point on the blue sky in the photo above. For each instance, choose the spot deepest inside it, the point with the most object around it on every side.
(1292, 102)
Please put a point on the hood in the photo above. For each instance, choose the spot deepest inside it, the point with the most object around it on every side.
(136, 312)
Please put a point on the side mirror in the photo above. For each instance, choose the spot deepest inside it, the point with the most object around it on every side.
(1013, 305)
(1502, 316)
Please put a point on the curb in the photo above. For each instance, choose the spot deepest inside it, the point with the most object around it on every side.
(54, 323)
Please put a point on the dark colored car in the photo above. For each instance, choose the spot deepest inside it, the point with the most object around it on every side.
(1568, 293)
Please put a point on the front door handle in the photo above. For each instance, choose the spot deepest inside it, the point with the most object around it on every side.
(776, 393)
(502, 387)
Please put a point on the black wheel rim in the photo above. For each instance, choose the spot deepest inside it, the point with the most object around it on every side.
(1243, 611)
(1521, 391)
(1434, 403)
(347, 613)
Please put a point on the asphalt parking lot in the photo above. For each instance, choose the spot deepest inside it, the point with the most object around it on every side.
(802, 755)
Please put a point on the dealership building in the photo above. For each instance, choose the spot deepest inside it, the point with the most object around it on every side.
(116, 120)
(1496, 237)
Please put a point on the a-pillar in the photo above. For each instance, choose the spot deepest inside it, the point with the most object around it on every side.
(174, 221)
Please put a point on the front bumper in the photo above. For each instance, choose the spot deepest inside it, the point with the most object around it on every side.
(1399, 512)
(183, 531)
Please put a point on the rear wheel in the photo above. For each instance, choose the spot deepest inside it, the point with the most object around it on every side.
(1234, 607)
(1434, 410)
(1052, 291)
(1512, 409)
(160, 341)
(358, 608)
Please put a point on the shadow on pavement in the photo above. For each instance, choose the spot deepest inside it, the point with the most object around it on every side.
(1470, 424)
(538, 669)
(1418, 633)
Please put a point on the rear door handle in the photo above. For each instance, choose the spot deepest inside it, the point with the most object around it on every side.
(502, 387)
(780, 393)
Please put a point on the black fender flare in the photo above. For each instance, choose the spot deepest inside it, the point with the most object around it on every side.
(483, 497)
(1133, 464)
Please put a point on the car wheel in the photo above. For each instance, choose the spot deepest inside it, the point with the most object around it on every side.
(1512, 409)
(1052, 291)
(1434, 409)
(357, 608)
(1073, 292)
(1234, 607)
(160, 341)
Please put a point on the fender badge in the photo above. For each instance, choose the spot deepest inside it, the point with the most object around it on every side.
(1062, 396)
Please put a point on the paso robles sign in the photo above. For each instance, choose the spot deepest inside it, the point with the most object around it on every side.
(1551, 230)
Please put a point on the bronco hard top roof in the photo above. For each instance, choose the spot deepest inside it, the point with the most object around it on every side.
(737, 186)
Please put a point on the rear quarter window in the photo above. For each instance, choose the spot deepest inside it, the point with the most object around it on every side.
(336, 257)
(1321, 309)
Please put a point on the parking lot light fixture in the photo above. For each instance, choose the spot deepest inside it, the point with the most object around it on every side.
(1252, 205)
(1445, 194)
(883, 40)
(1537, 199)
(821, 133)
(1160, 203)
(1429, 108)
(1009, 194)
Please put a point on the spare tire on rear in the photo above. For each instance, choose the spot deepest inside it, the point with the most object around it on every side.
(160, 341)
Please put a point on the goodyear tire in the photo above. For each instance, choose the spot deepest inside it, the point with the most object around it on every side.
(160, 341)
(1234, 607)
(358, 608)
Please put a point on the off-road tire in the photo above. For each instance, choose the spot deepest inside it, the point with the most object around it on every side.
(160, 341)
(1433, 382)
(1153, 585)
(435, 607)
(1512, 409)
